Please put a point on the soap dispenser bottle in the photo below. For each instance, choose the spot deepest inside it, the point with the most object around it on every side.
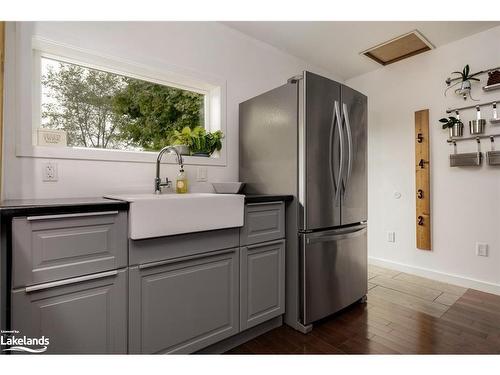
(181, 182)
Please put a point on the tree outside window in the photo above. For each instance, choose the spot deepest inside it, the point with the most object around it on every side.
(98, 109)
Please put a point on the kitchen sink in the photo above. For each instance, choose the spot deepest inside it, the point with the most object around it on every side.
(152, 215)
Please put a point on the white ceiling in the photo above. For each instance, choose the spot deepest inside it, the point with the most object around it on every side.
(335, 45)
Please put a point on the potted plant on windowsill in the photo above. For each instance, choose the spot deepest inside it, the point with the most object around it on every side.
(181, 140)
(455, 126)
(205, 144)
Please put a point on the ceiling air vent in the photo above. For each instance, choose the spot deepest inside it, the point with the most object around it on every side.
(399, 48)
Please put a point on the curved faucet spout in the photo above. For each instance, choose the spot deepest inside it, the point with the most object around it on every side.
(158, 183)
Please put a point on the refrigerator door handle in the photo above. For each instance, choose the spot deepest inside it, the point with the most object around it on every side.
(335, 120)
(349, 146)
(341, 137)
(336, 237)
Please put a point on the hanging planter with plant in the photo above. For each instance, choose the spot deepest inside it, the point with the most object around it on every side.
(455, 126)
(465, 81)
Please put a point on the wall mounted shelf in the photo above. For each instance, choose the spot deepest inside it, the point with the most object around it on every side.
(450, 110)
(449, 80)
(474, 137)
(471, 159)
(496, 86)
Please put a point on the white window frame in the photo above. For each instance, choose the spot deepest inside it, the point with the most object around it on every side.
(28, 55)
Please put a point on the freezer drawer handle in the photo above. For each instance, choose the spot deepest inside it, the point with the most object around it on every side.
(74, 280)
(335, 237)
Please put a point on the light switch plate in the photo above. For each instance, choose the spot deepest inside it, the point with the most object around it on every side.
(391, 236)
(201, 174)
(481, 249)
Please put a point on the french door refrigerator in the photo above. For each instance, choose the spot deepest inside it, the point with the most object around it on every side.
(308, 138)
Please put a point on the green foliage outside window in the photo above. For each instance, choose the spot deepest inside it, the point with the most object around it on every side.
(104, 110)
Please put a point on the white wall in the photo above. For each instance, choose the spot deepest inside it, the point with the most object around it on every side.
(249, 68)
(465, 203)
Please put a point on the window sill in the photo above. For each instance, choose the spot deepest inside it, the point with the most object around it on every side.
(114, 155)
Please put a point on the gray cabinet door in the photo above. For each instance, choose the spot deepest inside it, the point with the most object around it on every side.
(263, 222)
(180, 306)
(78, 317)
(55, 247)
(262, 283)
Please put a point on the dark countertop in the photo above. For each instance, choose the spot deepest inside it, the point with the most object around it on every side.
(16, 207)
(261, 198)
(59, 206)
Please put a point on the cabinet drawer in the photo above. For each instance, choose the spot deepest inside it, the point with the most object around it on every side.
(78, 317)
(54, 247)
(262, 283)
(181, 306)
(263, 222)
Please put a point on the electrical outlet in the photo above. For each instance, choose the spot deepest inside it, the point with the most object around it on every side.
(481, 249)
(201, 174)
(391, 236)
(49, 172)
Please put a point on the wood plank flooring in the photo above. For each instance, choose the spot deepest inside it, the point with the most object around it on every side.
(405, 314)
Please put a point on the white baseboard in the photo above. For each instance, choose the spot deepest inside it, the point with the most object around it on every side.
(462, 281)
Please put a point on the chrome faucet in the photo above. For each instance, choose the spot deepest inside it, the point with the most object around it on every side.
(167, 183)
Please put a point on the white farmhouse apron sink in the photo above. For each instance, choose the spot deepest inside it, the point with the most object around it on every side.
(152, 215)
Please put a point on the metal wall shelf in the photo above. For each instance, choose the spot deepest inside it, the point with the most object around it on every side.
(450, 110)
(474, 137)
(495, 86)
(449, 80)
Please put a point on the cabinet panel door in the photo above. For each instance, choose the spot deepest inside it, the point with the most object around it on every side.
(55, 247)
(87, 317)
(263, 222)
(262, 283)
(183, 306)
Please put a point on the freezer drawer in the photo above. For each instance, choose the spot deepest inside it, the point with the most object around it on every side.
(333, 271)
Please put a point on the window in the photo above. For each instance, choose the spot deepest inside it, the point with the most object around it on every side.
(98, 109)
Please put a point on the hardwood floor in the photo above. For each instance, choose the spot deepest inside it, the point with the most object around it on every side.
(405, 314)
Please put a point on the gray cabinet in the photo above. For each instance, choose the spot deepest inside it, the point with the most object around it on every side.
(81, 315)
(262, 282)
(263, 222)
(54, 247)
(183, 305)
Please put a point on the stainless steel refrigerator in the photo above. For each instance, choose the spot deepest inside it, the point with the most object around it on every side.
(308, 138)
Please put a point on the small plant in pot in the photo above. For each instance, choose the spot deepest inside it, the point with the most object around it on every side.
(205, 144)
(455, 126)
(465, 81)
(181, 140)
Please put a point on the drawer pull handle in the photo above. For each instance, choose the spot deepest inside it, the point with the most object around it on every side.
(264, 203)
(271, 243)
(64, 216)
(182, 259)
(74, 280)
